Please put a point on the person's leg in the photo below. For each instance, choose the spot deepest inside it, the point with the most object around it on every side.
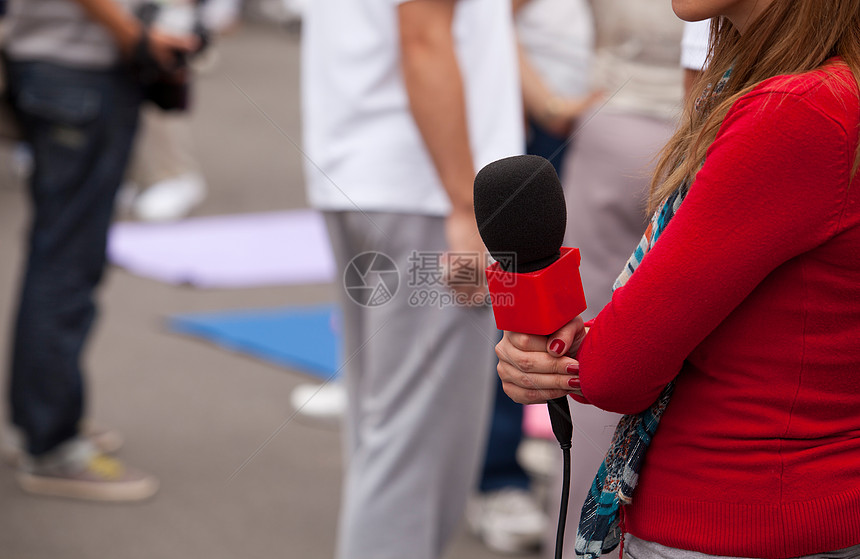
(504, 512)
(501, 468)
(164, 148)
(346, 242)
(81, 126)
(164, 167)
(605, 182)
(419, 385)
(549, 146)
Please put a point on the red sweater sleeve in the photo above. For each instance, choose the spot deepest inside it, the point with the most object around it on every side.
(773, 186)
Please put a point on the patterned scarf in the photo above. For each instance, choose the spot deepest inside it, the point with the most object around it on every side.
(599, 528)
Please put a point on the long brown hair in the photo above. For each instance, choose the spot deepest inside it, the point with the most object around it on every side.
(789, 37)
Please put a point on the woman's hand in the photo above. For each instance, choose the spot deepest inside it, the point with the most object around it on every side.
(535, 369)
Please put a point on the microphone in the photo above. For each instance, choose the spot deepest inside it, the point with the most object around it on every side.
(521, 215)
(534, 283)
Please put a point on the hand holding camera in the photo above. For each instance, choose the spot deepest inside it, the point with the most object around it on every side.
(160, 56)
(170, 51)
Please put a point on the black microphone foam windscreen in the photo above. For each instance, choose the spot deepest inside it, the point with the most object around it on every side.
(519, 206)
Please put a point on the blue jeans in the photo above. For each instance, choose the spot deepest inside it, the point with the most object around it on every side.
(501, 469)
(80, 124)
(540, 142)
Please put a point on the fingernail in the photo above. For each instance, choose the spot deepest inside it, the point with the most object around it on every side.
(573, 382)
(557, 346)
(572, 369)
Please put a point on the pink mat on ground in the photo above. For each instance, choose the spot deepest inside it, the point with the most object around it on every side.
(233, 251)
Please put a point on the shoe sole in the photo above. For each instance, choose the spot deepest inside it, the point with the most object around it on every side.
(142, 211)
(503, 542)
(130, 491)
(107, 442)
(301, 401)
(510, 544)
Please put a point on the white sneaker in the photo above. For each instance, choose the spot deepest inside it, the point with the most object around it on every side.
(539, 457)
(170, 199)
(320, 401)
(508, 520)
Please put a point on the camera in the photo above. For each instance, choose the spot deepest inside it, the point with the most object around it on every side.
(168, 88)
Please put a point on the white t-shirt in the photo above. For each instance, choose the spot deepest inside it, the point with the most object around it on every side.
(636, 63)
(558, 36)
(363, 148)
(694, 44)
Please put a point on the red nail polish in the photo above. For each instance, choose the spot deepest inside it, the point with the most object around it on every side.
(573, 382)
(572, 369)
(557, 346)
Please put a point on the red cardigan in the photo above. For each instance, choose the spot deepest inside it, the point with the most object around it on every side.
(751, 297)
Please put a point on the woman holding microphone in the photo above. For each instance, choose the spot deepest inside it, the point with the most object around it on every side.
(733, 336)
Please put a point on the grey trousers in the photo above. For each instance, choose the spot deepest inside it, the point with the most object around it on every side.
(634, 548)
(606, 180)
(164, 148)
(419, 380)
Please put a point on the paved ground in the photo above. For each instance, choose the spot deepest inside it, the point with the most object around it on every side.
(193, 413)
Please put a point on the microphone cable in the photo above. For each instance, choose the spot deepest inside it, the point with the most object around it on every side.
(562, 428)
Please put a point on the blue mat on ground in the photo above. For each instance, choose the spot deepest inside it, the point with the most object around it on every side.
(302, 338)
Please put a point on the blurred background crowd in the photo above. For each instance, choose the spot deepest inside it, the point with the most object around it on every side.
(245, 453)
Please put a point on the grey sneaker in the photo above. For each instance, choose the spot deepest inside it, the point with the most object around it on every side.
(77, 470)
(105, 439)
